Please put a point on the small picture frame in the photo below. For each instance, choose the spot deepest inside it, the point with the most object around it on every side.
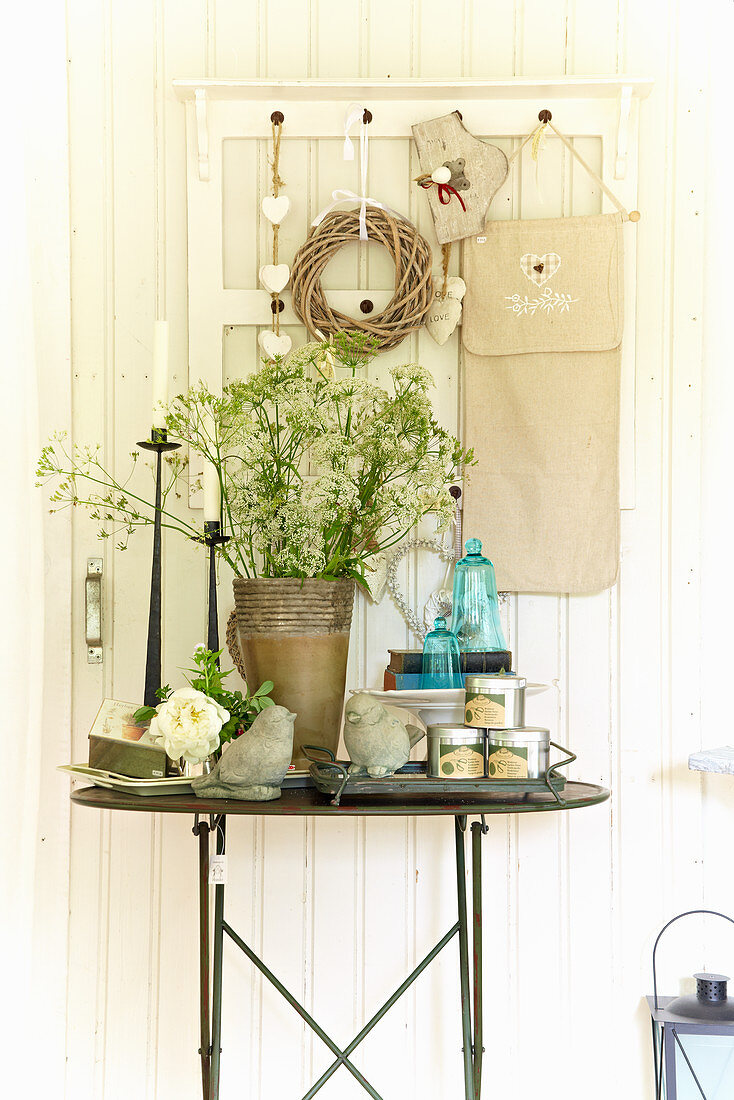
(115, 720)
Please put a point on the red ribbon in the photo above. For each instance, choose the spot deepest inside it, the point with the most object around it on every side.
(445, 191)
(445, 198)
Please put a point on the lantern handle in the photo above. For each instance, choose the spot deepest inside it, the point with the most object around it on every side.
(689, 913)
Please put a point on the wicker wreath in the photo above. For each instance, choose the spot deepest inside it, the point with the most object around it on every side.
(411, 254)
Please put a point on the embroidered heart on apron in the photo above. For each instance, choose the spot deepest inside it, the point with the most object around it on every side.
(539, 269)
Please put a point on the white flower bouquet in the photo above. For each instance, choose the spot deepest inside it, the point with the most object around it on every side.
(319, 468)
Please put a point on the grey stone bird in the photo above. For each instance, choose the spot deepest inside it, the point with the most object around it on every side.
(252, 767)
(378, 743)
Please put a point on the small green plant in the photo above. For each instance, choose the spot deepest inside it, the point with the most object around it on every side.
(207, 677)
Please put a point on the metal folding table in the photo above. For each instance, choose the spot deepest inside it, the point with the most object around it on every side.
(210, 815)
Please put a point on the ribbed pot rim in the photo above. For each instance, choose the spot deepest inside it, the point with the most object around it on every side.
(287, 605)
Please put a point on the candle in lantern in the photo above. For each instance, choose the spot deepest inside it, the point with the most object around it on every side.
(212, 494)
(160, 373)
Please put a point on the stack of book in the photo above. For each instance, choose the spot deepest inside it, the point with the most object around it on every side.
(403, 672)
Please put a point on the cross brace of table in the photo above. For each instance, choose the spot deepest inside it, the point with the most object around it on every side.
(210, 975)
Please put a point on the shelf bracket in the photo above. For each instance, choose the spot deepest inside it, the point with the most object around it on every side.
(202, 132)
(625, 106)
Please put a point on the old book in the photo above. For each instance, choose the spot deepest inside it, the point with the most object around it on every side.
(409, 661)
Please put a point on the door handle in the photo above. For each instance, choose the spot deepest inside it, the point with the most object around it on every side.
(93, 611)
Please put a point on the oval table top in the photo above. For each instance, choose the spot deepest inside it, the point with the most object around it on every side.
(308, 802)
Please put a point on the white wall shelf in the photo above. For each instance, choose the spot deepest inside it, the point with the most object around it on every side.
(579, 87)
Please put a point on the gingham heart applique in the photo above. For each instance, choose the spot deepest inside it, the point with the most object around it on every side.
(539, 269)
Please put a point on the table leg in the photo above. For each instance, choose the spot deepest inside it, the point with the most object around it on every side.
(477, 831)
(217, 971)
(201, 829)
(459, 828)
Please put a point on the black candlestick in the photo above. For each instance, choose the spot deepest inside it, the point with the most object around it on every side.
(158, 442)
(213, 537)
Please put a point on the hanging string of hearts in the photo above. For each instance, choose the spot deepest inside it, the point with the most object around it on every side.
(275, 276)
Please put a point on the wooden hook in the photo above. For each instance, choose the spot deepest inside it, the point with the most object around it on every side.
(367, 116)
(277, 118)
(544, 115)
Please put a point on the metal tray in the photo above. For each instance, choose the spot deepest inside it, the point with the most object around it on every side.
(332, 777)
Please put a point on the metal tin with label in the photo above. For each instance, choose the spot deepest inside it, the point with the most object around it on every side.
(455, 752)
(521, 753)
(494, 702)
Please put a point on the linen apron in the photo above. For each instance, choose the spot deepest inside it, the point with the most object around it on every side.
(542, 333)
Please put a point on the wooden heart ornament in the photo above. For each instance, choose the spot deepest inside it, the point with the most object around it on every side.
(273, 345)
(275, 277)
(445, 310)
(539, 269)
(276, 209)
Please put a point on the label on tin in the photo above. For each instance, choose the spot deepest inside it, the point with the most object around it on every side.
(485, 710)
(504, 763)
(461, 761)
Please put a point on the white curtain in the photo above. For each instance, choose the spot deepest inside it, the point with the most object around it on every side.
(21, 590)
(34, 365)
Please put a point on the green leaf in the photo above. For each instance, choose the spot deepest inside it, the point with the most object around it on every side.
(143, 714)
(264, 689)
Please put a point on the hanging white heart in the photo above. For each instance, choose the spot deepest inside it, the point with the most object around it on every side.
(455, 287)
(539, 269)
(445, 311)
(273, 344)
(276, 209)
(443, 318)
(275, 277)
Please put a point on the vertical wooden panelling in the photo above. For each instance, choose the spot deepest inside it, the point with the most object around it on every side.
(489, 36)
(132, 861)
(593, 41)
(388, 37)
(569, 902)
(440, 39)
(181, 45)
(542, 35)
(91, 209)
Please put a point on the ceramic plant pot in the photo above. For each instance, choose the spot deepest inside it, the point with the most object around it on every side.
(296, 633)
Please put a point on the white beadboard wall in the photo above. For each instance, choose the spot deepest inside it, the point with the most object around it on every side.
(341, 911)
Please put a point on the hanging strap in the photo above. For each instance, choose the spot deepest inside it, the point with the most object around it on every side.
(535, 136)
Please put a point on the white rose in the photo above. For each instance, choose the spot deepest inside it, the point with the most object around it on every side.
(188, 725)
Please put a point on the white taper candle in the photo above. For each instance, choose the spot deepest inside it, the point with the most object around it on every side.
(160, 372)
(212, 495)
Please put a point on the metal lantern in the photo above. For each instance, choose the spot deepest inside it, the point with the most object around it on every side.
(693, 1036)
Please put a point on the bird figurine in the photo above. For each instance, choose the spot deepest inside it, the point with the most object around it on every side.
(378, 743)
(252, 767)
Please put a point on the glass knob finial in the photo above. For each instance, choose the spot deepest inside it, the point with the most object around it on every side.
(473, 546)
(439, 623)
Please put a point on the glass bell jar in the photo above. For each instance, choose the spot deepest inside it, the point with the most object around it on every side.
(441, 665)
(475, 618)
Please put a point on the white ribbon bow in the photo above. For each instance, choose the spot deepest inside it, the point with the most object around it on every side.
(355, 112)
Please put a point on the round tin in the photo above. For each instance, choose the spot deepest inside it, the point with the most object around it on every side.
(522, 753)
(494, 702)
(455, 752)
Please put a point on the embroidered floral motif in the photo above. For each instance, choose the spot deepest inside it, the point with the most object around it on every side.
(547, 302)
